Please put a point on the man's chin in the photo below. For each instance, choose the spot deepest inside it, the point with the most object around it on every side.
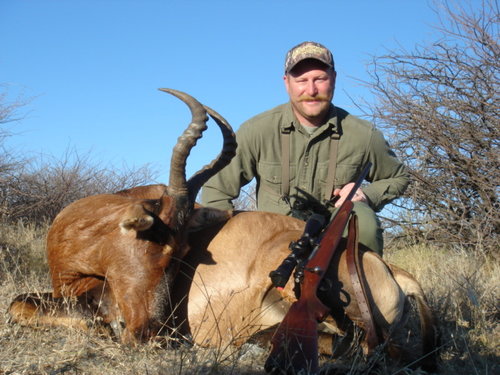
(316, 111)
(314, 114)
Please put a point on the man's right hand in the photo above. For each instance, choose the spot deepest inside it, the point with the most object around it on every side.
(359, 196)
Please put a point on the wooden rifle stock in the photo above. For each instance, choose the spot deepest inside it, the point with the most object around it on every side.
(295, 342)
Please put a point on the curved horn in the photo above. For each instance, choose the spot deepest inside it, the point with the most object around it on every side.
(177, 182)
(228, 151)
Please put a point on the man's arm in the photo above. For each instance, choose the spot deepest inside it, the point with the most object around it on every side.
(225, 186)
(389, 177)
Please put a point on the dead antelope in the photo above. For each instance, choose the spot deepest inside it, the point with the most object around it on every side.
(115, 252)
(222, 294)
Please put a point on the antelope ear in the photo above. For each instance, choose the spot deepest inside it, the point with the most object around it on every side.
(204, 217)
(136, 218)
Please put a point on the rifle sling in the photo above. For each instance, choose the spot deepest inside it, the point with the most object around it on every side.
(332, 166)
(285, 163)
(355, 271)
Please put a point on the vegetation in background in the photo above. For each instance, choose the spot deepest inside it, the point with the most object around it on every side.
(35, 190)
(440, 106)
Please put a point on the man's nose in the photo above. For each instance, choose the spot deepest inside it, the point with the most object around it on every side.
(311, 88)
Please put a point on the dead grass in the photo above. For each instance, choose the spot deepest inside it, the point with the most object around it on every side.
(461, 287)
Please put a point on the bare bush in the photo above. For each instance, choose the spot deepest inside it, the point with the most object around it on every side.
(10, 109)
(36, 190)
(439, 105)
(247, 201)
(9, 113)
(40, 190)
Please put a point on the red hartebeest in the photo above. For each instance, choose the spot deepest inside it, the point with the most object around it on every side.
(222, 293)
(117, 253)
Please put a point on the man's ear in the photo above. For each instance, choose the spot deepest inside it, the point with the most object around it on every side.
(204, 217)
(285, 79)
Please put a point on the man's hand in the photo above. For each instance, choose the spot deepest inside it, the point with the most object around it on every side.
(359, 196)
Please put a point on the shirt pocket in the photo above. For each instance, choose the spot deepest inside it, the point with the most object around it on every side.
(346, 173)
(270, 177)
(270, 189)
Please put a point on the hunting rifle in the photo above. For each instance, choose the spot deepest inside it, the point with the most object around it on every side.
(295, 342)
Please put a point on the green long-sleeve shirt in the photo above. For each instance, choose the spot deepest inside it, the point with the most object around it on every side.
(259, 156)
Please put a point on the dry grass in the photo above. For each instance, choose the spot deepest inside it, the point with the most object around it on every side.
(461, 287)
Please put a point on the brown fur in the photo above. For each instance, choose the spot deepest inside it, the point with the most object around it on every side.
(231, 299)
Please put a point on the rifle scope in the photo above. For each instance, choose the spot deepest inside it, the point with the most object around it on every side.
(300, 250)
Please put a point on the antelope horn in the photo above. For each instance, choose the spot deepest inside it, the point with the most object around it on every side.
(228, 151)
(177, 185)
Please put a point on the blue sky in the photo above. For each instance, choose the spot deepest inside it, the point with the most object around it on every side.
(93, 67)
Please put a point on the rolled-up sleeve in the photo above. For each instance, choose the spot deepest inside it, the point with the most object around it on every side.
(389, 177)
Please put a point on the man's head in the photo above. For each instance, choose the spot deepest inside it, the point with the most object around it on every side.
(310, 81)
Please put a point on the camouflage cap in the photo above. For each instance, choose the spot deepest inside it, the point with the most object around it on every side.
(308, 50)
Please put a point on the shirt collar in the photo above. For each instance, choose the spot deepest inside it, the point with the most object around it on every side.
(291, 123)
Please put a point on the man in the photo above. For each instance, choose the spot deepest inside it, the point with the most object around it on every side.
(308, 151)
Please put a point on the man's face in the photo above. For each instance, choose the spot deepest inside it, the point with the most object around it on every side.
(310, 86)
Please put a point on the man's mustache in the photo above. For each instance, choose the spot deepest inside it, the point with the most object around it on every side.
(307, 98)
